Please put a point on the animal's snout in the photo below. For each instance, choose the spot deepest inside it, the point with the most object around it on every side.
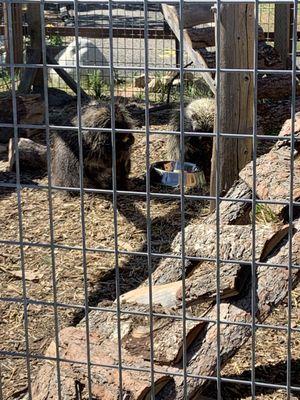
(127, 139)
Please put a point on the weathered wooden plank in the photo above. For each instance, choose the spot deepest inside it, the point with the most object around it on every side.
(66, 77)
(172, 19)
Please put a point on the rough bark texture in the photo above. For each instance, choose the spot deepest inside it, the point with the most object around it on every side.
(31, 155)
(234, 212)
(200, 241)
(30, 110)
(273, 173)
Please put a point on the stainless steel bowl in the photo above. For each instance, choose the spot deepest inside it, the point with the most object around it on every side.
(168, 174)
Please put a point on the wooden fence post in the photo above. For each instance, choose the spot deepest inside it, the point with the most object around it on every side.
(17, 28)
(236, 93)
(282, 31)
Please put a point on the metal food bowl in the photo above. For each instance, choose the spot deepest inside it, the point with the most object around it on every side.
(168, 173)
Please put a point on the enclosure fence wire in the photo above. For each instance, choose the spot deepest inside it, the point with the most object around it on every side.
(182, 373)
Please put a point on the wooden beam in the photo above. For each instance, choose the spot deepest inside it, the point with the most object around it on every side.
(33, 76)
(282, 31)
(171, 17)
(101, 32)
(17, 29)
(66, 77)
(195, 14)
(236, 94)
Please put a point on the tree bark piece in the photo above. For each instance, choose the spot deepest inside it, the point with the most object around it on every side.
(31, 155)
(235, 243)
(30, 110)
(273, 176)
(236, 94)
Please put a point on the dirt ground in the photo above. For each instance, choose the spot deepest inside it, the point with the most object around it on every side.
(70, 285)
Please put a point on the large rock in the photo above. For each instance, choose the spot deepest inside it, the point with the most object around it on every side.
(89, 54)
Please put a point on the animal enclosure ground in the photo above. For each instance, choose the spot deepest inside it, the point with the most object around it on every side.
(165, 216)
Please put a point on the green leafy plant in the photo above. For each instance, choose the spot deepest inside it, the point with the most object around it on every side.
(96, 86)
(55, 40)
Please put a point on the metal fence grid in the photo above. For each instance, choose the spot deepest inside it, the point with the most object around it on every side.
(23, 244)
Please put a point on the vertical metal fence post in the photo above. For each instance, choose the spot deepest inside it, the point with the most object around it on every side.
(50, 203)
(182, 194)
(19, 199)
(82, 212)
(114, 188)
(148, 198)
(291, 197)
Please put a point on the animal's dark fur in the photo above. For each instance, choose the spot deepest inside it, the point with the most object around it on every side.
(198, 117)
(97, 150)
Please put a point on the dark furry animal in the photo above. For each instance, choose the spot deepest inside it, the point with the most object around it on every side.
(97, 150)
(198, 117)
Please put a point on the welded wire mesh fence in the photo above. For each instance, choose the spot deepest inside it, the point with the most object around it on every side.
(163, 283)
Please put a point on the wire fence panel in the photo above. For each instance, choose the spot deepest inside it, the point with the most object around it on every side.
(150, 198)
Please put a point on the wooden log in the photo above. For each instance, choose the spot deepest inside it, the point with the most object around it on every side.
(205, 37)
(273, 176)
(268, 57)
(167, 339)
(234, 212)
(272, 289)
(173, 21)
(32, 155)
(30, 110)
(275, 87)
(273, 115)
(236, 94)
(105, 385)
(200, 241)
(199, 287)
